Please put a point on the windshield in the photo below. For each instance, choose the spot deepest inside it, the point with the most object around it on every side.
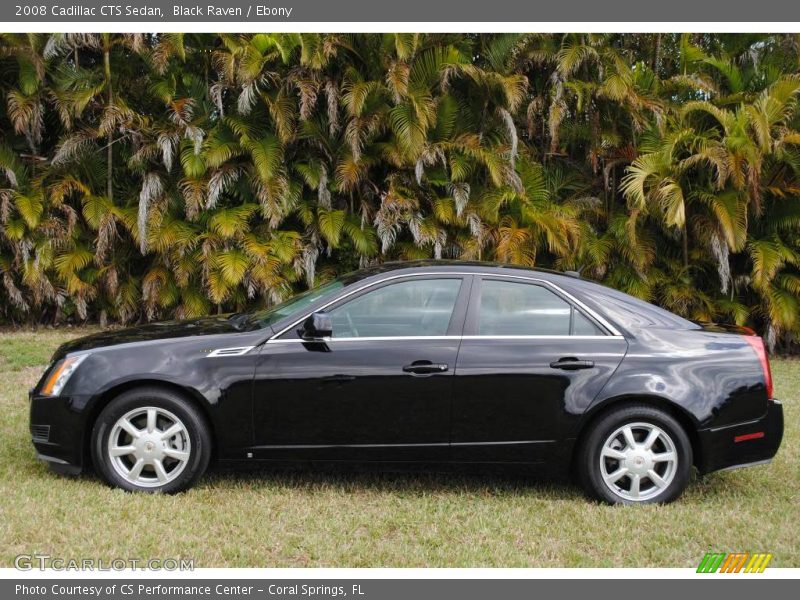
(296, 304)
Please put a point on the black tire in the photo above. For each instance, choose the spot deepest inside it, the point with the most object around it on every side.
(195, 429)
(590, 469)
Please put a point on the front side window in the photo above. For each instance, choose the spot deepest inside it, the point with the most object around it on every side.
(296, 303)
(512, 308)
(421, 307)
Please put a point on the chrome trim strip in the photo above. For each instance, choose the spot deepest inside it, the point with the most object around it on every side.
(732, 425)
(235, 351)
(52, 459)
(542, 337)
(511, 443)
(745, 465)
(430, 444)
(614, 331)
(592, 313)
(448, 337)
(325, 446)
(364, 339)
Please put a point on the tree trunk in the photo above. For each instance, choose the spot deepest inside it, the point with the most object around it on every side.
(110, 137)
(613, 200)
(657, 54)
(685, 241)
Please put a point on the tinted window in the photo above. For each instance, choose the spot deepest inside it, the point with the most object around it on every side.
(581, 325)
(511, 308)
(297, 303)
(421, 307)
(633, 313)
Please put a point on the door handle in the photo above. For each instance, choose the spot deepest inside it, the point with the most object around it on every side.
(570, 363)
(425, 367)
(338, 378)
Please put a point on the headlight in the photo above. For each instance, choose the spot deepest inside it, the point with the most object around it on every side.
(61, 373)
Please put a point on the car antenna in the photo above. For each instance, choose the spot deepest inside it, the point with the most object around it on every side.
(575, 274)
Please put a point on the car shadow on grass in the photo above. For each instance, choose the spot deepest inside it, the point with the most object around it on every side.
(352, 478)
(470, 480)
(361, 478)
(710, 490)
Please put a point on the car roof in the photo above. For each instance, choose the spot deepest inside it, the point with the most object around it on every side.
(461, 266)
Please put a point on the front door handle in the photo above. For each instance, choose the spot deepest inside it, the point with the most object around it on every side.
(570, 363)
(425, 367)
(338, 378)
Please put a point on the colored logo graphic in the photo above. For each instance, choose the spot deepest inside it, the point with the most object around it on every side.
(737, 562)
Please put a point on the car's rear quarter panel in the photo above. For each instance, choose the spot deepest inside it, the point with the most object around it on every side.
(715, 378)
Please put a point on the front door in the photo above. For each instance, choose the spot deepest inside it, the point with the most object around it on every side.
(379, 389)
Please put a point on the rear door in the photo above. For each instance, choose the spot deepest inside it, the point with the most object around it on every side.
(531, 361)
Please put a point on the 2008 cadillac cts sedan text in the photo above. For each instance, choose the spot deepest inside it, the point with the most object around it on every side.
(428, 362)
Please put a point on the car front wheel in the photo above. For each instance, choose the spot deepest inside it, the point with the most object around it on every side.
(151, 440)
(636, 455)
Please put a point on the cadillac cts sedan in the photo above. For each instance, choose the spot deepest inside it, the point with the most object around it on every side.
(427, 362)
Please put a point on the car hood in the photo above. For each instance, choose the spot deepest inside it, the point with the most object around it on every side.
(215, 325)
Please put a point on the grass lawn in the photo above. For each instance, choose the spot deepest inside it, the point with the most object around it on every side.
(305, 519)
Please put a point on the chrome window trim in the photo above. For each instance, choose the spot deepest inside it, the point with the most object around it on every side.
(613, 330)
(365, 339)
(542, 337)
(448, 337)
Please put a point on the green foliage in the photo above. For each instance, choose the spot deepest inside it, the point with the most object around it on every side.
(169, 175)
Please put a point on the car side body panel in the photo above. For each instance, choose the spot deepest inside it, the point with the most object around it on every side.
(221, 386)
(713, 377)
(522, 412)
(503, 390)
(351, 400)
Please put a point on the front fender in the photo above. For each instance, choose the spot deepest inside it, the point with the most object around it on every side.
(221, 386)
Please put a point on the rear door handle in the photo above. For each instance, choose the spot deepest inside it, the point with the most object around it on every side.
(570, 363)
(425, 367)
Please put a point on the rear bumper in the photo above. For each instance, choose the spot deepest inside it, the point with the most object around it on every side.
(743, 444)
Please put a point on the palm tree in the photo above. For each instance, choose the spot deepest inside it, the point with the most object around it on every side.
(148, 176)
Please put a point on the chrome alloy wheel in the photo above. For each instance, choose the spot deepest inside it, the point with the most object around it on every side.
(638, 461)
(149, 446)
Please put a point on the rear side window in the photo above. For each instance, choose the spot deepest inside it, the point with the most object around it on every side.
(581, 325)
(513, 308)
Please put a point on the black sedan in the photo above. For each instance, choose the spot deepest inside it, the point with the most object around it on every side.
(428, 362)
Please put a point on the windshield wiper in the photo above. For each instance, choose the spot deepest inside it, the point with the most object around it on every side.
(239, 320)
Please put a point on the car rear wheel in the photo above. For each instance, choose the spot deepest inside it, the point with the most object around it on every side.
(635, 455)
(151, 440)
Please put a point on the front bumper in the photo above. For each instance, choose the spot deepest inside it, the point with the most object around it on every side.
(57, 426)
(743, 444)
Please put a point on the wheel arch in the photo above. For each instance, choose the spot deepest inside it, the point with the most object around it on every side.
(684, 418)
(105, 397)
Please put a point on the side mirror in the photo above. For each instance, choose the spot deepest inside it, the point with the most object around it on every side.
(315, 327)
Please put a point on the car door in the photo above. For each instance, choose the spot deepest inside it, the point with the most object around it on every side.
(530, 362)
(380, 388)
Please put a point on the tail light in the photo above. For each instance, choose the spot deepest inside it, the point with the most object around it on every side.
(758, 345)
